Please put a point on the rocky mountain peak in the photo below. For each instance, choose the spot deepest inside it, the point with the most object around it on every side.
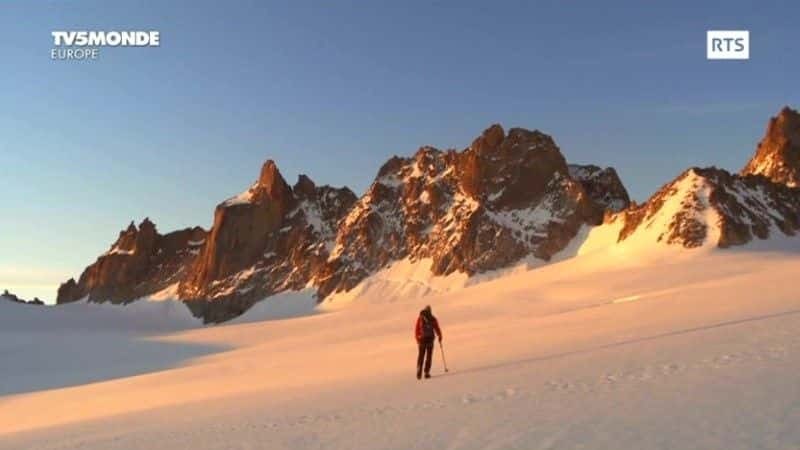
(778, 154)
(502, 198)
(271, 186)
(304, 187)
(602, 185)
(711, 207)
(269, 238)
(147, 224)
(13, 298)
(135, 239)
(510, 170)
(507, 196)
(147, 233)
(787, 118)
(269, 174)
(141, 261)
(391, 166)
(489, 140)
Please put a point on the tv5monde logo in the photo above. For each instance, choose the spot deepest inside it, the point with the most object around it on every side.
(728, 44)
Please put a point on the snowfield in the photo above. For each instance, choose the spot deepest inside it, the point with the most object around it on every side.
(624, 346)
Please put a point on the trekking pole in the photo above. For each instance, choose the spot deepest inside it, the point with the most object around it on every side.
(444, 361)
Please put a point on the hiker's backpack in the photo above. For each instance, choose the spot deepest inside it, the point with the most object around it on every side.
(427, 327)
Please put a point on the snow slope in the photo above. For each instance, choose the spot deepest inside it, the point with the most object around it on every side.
(45, 347)
(683, 349)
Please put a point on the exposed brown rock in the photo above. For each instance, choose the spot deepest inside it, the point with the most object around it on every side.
(139, 263)
(778, 153)
(69, 291)
(763, 199)
(304, 188)
(602, 185)
(13, 298)
(270, 239)
(737, 208)
(483, 208)
(241, 229)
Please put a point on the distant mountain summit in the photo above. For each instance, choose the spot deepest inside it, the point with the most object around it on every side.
(602, 185)
(778, 154)
(13, 298)
(141, 261)
(268, 239)
(714, 207)
(506, 197)
(502, 198)
(711, 207)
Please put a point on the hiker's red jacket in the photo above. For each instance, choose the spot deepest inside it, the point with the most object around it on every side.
(418, 328)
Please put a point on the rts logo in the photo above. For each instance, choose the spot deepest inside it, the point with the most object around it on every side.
(728, 44)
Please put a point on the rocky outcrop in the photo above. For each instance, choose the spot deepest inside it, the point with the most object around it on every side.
(716, 208)
(778, 154)
(241, 228)
(712, 207)
(603, 186)
(13, 298)
(504, 197)
(268, 239)
(139, 263)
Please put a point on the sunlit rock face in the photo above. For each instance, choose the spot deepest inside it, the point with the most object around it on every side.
(140, 262)
(272, 237)
(603, 186)
(778, 153)
(502, 198)
(714, 207)
(507, 196)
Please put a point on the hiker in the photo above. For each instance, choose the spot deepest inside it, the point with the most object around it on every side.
(426, 330)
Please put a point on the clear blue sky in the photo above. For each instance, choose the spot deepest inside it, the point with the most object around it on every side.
(333, 89)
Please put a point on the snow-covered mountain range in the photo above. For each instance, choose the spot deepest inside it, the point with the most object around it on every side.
(508, 197)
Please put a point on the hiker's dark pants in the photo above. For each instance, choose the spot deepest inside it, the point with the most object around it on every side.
(425, 354)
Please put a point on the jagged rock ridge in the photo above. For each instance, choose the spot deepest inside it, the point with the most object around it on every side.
(602, 185)
(139, 263)
(8, 296)
(712, 207)
(502, 198)
(268, 239)
(778, 154)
